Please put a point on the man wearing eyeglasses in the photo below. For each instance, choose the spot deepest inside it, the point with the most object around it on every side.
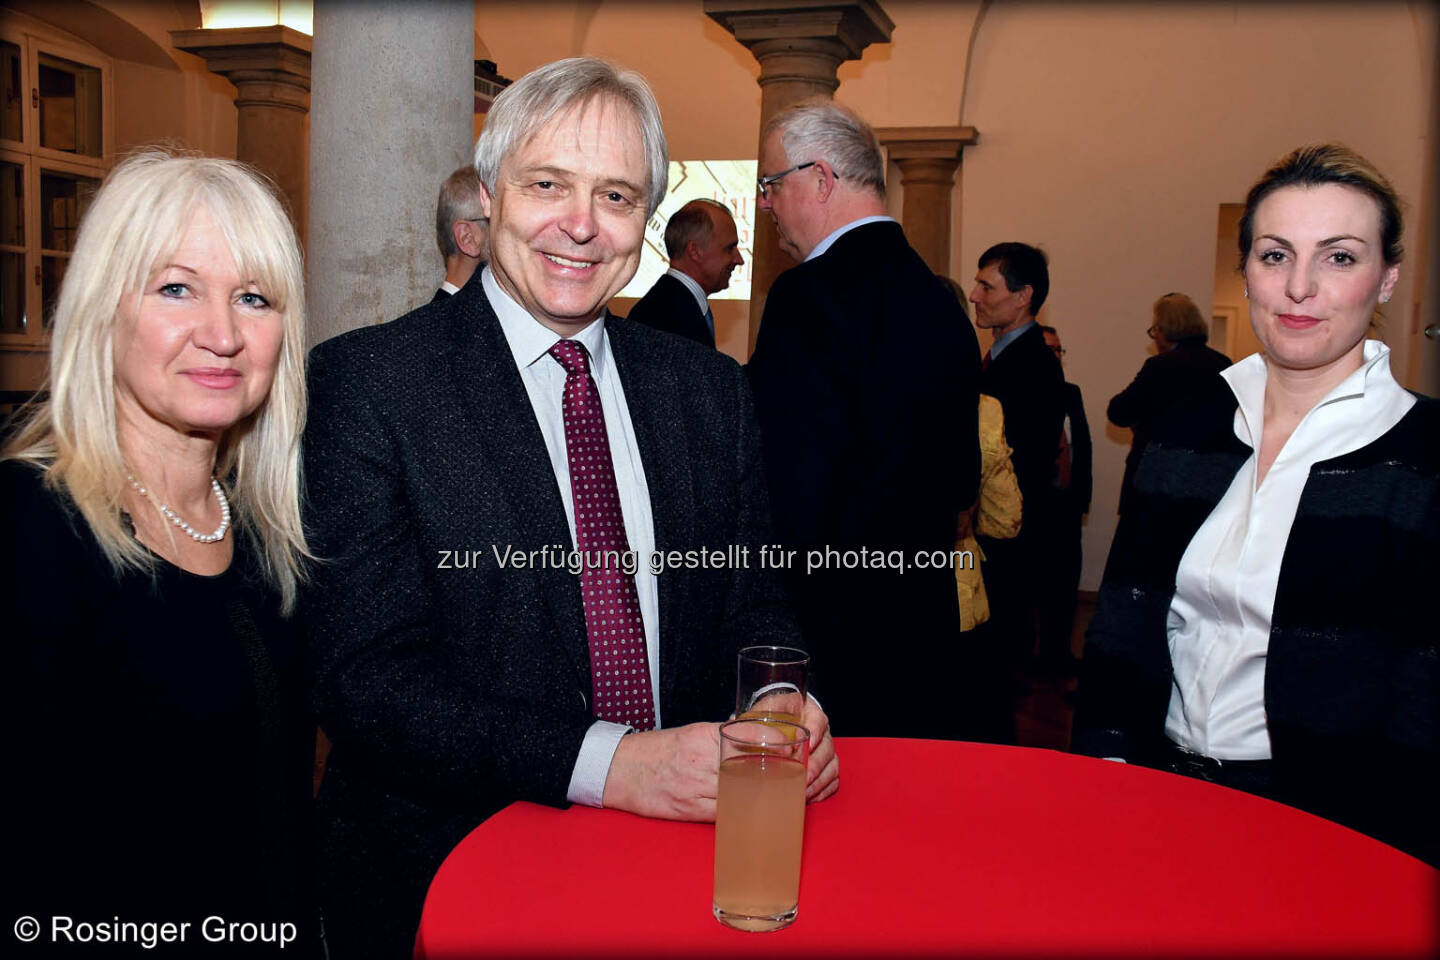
(865, 375)
(461, 230)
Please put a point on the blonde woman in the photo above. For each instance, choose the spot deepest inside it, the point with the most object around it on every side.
(1266, 619)
(159, 737)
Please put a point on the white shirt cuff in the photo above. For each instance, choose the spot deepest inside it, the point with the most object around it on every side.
(592, 766)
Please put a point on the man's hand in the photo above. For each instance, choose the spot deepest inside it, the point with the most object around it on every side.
(822, 776)
(670, 774)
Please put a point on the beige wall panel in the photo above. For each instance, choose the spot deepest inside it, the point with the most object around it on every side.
(703, 78)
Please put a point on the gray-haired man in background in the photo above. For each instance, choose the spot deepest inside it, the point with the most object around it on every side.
(461, 230)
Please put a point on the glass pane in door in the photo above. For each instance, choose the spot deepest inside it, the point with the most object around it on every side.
(52, 271)
(64, 198)
(69, 106)
(12, 292)
(12, 203)
(11, 108)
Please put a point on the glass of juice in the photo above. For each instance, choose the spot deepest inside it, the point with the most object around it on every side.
(759, 823)
(770, 682)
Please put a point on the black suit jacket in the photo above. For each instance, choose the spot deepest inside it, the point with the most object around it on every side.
(449, 686)
(1077, 497)
(1027, 380)
(441, 294)
(669, 306)
(1171, 385)
(865, 382)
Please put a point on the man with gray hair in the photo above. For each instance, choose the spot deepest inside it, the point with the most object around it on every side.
(704, 249)
(461, 230)
(492, 479)
(865, 373)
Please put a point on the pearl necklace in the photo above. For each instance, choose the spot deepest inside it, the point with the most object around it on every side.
(190, 531)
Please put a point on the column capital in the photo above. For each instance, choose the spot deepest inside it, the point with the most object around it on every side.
(852, 25)
(267, 65)
(926, 143)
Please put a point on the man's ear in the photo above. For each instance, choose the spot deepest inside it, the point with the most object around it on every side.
(485, 200)
(828, 180)
(467, 239)
(1025, 293)
(693, 253)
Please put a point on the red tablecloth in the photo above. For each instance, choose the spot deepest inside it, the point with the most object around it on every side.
(950, 849)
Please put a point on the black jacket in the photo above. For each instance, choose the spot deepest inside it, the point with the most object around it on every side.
(1169, 386)
(1027, 380)
(1352, 677)
(449, 686)
(865, 376)
(669, 306)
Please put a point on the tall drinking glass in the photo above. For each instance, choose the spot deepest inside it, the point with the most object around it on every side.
(770, 682)
(759, 823)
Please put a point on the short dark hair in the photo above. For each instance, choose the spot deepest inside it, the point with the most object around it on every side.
(691, 222)
(1319, 164)
(1046, 328)
(1022, 266)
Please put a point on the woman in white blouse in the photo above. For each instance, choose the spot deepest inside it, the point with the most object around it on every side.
(1263, 619)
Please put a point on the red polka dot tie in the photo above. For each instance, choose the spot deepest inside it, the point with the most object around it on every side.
(619, 667)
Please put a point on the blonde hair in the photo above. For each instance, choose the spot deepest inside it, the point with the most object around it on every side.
(135, 224)
(1177, 318)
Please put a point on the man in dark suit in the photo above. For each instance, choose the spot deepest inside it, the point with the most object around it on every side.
(1073, 486)
(1011, 285)
(1182, 376)
(704, 249)
(490, 479)
(461, 230)
(865, 384)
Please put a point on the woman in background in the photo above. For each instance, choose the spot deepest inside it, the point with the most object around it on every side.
(1266, 617)
(1180, 377)
(159, 734)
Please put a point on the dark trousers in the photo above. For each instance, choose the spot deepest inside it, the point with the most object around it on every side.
(1057, 584)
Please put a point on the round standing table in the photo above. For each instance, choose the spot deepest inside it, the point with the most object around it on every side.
(946, 849)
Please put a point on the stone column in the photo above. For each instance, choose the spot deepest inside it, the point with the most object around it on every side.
(800, 45)
(392, 115)
(270, 68)
(928, 158)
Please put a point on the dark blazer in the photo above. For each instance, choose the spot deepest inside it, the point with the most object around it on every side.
(1027, 380)
(1077, 498)
(669, 306)
(1169, 385)
(865, 383)
(449, 686)
(441, 294)
(1352, 677)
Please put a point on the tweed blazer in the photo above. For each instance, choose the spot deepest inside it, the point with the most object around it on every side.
(451, 686)
(1352, 677)
(669, 306)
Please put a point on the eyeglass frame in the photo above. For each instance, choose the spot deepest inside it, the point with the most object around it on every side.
(766, 182)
